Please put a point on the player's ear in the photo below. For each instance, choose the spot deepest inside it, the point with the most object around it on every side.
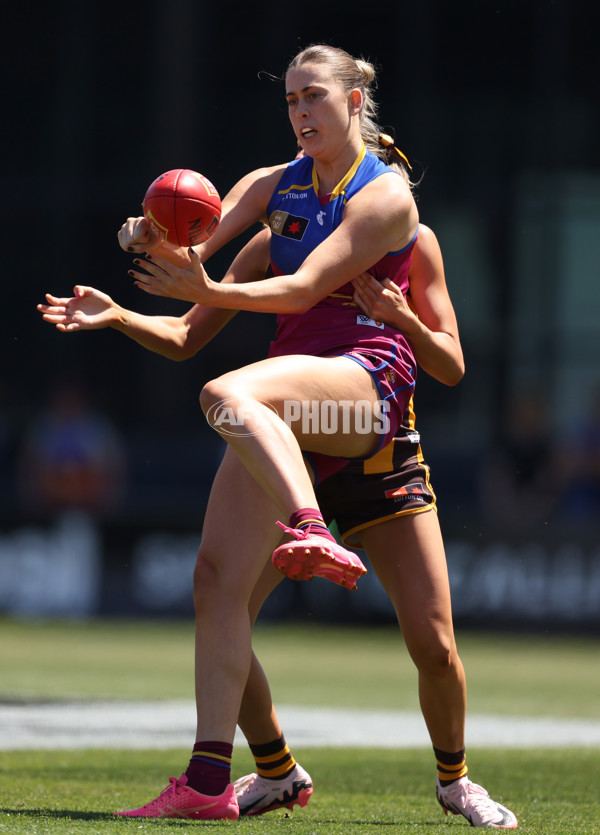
(355, 100)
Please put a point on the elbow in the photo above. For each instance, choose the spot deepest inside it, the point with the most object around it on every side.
(303, 305)
(300, 303)
(174, 355)
(184, 352)
(457, 374)
(301, 293)
(180, 351)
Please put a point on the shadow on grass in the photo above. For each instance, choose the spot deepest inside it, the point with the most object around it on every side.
(72, 814)
(324, 822)
(58, 813)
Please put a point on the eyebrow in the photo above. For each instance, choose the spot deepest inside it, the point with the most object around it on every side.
(303, 90)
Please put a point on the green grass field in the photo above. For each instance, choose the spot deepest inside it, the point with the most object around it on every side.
(357, 791)
(349, 667)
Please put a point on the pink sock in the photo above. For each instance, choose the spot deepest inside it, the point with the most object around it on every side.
(310, 518)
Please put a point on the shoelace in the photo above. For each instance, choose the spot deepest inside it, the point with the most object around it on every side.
(478, 799)
(174, 784)
(301, 533)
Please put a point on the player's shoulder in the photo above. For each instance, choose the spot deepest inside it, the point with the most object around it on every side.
(427, 241)
(426, 233)
(390, 189)
(263, 176)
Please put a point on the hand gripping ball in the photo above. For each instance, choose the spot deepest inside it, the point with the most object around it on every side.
(182, 207)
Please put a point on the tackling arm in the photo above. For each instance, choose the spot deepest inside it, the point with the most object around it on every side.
(174, 337)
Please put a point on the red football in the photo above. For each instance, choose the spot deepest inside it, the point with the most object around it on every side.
(183, 207)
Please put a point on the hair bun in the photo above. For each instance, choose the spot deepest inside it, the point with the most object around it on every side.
(367, 70)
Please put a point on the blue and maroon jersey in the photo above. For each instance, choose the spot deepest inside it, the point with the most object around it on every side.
(300, 220)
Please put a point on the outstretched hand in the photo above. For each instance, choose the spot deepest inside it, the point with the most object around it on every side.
(161, 278)
(87, 309)
(382, 301)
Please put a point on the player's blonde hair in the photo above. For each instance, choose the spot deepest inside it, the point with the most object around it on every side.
(352, 74)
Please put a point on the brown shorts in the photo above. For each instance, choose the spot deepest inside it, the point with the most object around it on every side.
(395, 482)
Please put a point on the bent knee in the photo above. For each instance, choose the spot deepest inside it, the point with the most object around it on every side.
(218, 585)
(226, 391)
(206, 577)
(212, 393)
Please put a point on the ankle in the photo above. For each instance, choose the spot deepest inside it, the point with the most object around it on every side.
(209, 771)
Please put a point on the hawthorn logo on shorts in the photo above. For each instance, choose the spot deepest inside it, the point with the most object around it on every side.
(404, 494)
(287, 225)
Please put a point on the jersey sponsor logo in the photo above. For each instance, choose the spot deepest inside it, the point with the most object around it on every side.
(363, 319)
(411, 491)
(287, 225)
(320, 217)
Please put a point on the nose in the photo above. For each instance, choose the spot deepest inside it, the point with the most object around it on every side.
(303, 110)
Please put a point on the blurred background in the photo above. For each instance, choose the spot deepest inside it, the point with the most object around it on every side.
(105, 458)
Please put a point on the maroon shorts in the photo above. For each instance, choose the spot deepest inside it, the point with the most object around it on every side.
(395, 482)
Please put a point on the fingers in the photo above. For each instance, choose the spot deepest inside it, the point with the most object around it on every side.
(364, 279)
(151, 289)
(367, 280)
(56, 307)
(389, 285)
(366, 295)
(195, 260)
(58, 316)
(360, 299)
(153, 268)
(154, 281)
(51, 310)
(54, 299)
(134, 235)
(68, 327)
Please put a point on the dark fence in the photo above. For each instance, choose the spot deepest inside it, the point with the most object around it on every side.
(73, 566)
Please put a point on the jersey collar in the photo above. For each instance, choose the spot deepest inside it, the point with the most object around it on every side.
(341, 186)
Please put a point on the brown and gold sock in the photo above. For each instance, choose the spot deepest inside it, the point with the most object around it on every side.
(273, 759)
(450, 766)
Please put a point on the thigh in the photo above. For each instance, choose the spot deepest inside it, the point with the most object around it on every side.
(331, 404)
(408, 556)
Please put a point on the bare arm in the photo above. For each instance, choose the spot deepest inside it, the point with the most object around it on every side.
(242, 206)
(428, 321)
(380, 219)
(175, 337)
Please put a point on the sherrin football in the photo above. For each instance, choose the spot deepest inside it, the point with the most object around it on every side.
(182, 207)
